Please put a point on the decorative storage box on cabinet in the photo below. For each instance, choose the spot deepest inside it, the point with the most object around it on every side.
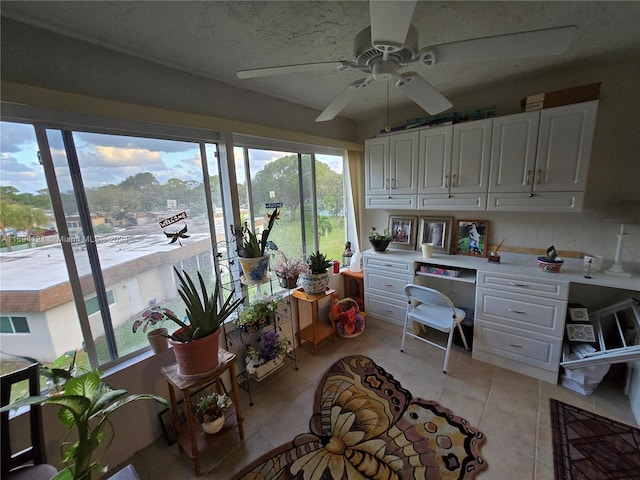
(519, 323)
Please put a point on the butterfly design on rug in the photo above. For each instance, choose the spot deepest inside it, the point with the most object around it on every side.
(366, 426)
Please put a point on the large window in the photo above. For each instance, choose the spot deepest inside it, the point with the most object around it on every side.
(83, 252)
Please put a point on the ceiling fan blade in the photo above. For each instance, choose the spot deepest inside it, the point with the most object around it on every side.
(550, 41)
(390, 21)
(343, 99)
(284, 69)
(420, 91)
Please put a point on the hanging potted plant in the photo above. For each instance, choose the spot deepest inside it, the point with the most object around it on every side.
(317, 281)
(158, 336)
(259, 314)
(195, 344)
(288, 270)
(269, 356)
(251, 250)
(210, 412)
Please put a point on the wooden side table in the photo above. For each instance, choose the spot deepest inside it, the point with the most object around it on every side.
(193, 440)
(352, 279)
(317, 331)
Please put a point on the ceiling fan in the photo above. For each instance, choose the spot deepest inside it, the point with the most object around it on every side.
(391, 43)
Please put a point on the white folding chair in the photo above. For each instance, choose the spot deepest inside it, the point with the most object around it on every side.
(432, 309)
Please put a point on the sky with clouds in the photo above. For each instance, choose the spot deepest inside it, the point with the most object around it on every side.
(110, 159)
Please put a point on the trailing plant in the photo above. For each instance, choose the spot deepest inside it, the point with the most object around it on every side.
(318, 263)
(247, 242)
(258, 310)
(203, 312)
(86, 403)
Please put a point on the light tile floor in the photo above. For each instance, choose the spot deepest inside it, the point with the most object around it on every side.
(512, 410)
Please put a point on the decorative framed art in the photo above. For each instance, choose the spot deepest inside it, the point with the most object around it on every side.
(403, 231)
(471, 237)
(436, 230)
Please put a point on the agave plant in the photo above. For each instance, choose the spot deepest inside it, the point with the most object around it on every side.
(85, 406)
(318, 263)
(203, 313)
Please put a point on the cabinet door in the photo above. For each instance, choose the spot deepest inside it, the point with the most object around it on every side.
(376, 153)
(403, 161)
(513, 152)
(564, 147)
(434, 160)
(471, 156)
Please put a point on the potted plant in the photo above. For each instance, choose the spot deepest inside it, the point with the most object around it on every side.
(86, 403)
(288, 269)
(257, 315)
(158, 336)
(269, 356)
(251, 250)
(379, 241)
(316, 282)
(210, 411)
(195, 344)
(550, 263)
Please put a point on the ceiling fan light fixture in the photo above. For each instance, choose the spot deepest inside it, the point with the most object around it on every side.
(384, 70)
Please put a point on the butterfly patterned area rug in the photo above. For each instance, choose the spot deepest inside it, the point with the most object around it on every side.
(366, 426)
(587, 446)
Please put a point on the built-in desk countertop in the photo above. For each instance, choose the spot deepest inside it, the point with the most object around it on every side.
(519, 264)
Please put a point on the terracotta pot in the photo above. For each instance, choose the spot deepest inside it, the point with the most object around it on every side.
(198, 358)
(314, 284)
(158, 340)
(255, 269)
(215, 426)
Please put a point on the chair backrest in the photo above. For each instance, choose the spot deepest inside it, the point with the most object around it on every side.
(429, 296)
(35, 453)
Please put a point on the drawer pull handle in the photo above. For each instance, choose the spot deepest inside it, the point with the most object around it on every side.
(387, 284)
(515, 346)
(388, 311)
(515, 284)
(520, 312)
(388, 264)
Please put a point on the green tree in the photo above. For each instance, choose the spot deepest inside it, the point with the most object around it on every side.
(280, 177)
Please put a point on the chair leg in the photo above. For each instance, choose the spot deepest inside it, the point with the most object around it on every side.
(404, 331)
(447, 351)
(464, 339)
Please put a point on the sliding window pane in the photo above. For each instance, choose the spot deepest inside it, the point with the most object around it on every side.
(330, 205)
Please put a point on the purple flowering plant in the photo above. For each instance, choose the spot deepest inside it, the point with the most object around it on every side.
(289, 267)
(271, 347)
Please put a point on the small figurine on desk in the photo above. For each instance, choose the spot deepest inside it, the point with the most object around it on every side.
(347, 254)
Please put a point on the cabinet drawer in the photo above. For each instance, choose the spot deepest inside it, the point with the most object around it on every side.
(454, 201)
(533, 349)
(388, 309)
(377, 282)
(522, 311)
(405, 202)
(382, 264)
(549, 287)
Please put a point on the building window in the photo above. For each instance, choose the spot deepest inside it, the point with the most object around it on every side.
(14, 325)
(93, 306)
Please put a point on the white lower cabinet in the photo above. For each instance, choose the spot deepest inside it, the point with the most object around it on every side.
(519, 323)
(384, 282)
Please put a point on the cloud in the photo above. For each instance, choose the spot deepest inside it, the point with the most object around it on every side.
(13, 136)
(134, 143)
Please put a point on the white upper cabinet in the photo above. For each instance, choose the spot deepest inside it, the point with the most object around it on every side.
(564, 147)
(470, 157)
(513, 152)
(434, 160)
(391, 164)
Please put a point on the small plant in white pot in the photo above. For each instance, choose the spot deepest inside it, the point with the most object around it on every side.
(210, 412)
(317, 281)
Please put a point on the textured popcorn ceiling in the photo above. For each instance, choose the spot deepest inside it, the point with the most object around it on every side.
(215, 39)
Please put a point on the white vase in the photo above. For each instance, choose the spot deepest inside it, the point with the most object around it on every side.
(264, 370)
(215, 426)
(158, 340)
(314, 284)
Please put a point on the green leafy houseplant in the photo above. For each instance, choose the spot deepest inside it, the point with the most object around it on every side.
(211, 407)
(257, 314)
(379, 241)
(205, 317)
(86, 403)
(318, 263)
(248, 244)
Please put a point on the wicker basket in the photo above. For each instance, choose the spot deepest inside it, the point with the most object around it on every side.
(348, 329)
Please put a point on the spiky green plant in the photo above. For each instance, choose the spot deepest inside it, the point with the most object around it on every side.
(318, 263)
(204, 315)
(85, 406)
(247, 241)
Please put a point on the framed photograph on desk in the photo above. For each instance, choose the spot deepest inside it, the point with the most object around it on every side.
(403, 231)
(471, 237)
(436, 230)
